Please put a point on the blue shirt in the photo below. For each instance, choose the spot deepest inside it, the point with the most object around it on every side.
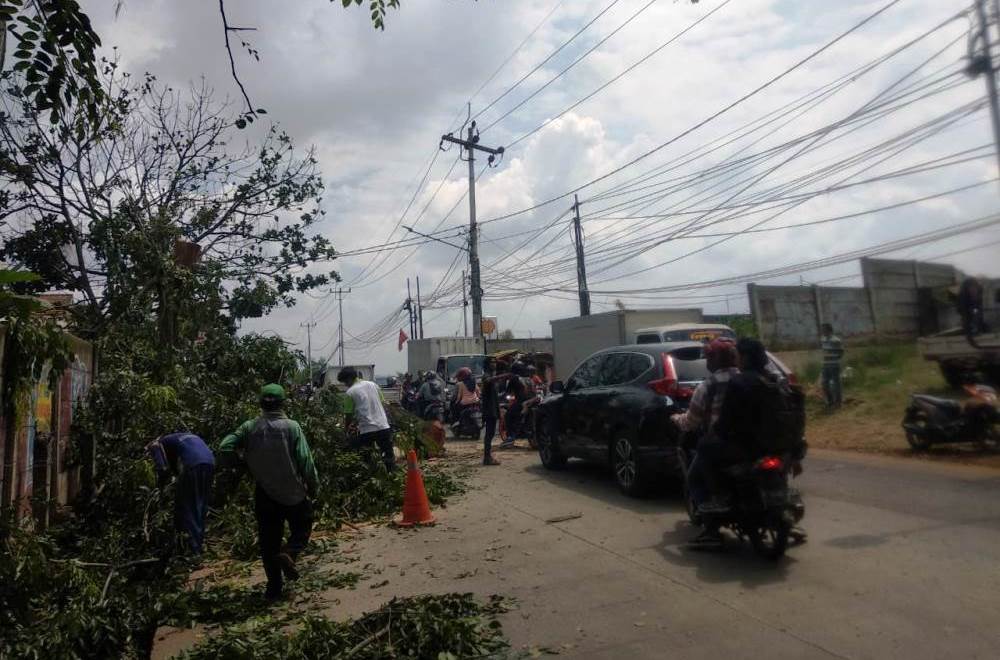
(187, 448)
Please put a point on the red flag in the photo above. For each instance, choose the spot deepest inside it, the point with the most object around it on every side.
(402, 339)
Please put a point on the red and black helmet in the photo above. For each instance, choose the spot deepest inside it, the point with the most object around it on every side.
(722, 352)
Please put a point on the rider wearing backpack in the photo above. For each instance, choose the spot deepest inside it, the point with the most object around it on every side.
(761, 414)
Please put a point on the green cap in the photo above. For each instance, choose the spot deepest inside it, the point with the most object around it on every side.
(273, 390)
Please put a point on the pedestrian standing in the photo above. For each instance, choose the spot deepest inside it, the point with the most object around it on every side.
(187, 457)
(278, 456)
(364, 405)
(833, 353)
(491, 409)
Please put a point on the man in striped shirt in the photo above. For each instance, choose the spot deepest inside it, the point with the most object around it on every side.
(833, 352)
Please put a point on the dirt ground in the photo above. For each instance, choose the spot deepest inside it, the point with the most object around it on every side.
(896, 565)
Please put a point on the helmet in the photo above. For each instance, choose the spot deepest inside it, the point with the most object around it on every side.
(721, 353)
(518, 369)
(463, 373)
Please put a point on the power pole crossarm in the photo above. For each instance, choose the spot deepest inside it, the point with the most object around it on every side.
(471, 145)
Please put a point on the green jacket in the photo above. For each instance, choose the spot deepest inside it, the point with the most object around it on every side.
(278, 456)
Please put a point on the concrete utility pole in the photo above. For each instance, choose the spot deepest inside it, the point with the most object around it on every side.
(340, 307)
(420, 309)
(309, 347)
(409, 308)
(465, 309)
(471, 145)
(982, 63)
(581, 266)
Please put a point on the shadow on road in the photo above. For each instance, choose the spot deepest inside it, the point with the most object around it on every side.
(594, 480)
(737, 562)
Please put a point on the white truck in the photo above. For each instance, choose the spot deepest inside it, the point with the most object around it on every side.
(575, 339)
(366, 371)
(445, 355)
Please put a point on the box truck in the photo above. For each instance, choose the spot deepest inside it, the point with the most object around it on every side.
(445, 355)
(575, 339)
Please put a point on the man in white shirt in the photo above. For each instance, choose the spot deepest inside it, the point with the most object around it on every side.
(364, 405)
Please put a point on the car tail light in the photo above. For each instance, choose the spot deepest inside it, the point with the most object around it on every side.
(770, 463)
(668, 386)
(792, 378)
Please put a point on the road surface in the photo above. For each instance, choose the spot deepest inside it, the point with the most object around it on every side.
(903, 561)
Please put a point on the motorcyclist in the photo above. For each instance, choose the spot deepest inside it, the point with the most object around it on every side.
(517, 387)
(699, 419)
(432, 391)
(466, 391)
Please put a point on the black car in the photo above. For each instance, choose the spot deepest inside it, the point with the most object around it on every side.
(616, 409)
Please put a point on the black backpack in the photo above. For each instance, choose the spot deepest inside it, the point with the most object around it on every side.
(782, 420)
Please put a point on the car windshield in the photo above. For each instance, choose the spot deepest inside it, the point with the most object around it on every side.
(473, 362)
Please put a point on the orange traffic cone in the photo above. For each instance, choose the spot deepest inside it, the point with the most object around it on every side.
(416, 508)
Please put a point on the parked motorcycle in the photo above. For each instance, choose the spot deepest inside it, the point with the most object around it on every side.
(764, 509)
(929, 419)
(470, 422)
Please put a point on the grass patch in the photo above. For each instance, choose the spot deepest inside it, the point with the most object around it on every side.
(878, 382)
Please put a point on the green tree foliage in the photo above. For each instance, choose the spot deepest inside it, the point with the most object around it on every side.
(55, 49)
(99, 213)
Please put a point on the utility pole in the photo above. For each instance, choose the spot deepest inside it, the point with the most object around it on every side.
(309, 347)
(340, 306)
(465, 309)
(420, 309)
(981, 63)
(409, 308)
(471, 145)
(581, 266)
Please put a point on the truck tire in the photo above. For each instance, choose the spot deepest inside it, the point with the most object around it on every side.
(953, 374)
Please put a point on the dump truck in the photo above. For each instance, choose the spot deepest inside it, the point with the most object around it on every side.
(962, 360)
(574, 339)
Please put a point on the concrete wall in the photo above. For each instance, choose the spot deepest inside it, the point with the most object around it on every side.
(899, 300)
(896, 302)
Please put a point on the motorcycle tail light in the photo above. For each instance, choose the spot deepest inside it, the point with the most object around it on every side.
(770, 463)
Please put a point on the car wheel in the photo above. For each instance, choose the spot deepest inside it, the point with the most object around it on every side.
(548, 446)
(626, 466)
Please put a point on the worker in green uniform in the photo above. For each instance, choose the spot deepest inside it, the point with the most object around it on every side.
(277, 454)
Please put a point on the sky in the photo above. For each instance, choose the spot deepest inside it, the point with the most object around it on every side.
(691, 101)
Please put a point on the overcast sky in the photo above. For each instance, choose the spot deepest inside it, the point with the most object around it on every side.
(374, 105)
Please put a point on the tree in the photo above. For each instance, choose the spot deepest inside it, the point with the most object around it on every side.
(506, 335)
(99, 211)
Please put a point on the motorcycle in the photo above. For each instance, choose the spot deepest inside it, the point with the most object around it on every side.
(764, 509)
(523, 426)
(930, 419)
(470, 422)
(434, 411)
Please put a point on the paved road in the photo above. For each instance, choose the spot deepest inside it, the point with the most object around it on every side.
(902, 562)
